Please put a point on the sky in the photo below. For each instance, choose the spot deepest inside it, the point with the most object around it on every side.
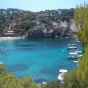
(40, 5)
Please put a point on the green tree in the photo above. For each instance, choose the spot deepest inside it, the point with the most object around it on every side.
(8, 80)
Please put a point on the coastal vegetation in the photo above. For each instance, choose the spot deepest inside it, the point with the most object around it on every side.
(8, 80)
(81, 16)
(25, 22)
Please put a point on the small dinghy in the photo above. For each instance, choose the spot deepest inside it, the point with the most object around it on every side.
(74, 56)
(72, 46)
(75, 61)
(1, 62)
(60, 76)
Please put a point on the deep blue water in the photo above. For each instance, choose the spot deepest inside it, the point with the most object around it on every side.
(39, 58)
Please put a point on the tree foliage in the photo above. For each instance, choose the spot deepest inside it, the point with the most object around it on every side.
(81, 16)
(8, 80)
(56, 84)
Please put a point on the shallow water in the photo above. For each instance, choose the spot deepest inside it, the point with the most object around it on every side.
(39, 58)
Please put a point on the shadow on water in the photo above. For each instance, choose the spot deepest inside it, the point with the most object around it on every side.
(17, 67)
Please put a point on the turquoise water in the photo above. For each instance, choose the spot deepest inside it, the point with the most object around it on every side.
(39, 58)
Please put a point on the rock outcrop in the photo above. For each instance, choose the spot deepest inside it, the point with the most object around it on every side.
(63, 29)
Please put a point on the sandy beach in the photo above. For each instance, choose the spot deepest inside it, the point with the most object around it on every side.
(11, 38)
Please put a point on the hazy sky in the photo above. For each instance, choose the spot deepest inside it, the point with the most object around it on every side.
(38, 5)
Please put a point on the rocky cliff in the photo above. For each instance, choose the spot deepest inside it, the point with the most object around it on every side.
(61, 29)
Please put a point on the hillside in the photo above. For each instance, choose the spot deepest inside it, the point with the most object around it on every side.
(49, 23)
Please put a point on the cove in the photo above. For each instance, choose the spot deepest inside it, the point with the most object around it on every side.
(39, 58)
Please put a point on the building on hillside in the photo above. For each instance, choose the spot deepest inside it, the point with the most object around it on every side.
(43, 14)
(59, 12)
(13, 24)
(7, 32)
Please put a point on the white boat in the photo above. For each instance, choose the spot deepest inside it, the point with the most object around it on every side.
(75, 61)
(72, 47)
(63, 70)
(73, 53)
(60, 76)
(44, 83)
(78, 41)
(1, 62)
(74, 56)
(80, 55)
(71, 44)
(79, 51)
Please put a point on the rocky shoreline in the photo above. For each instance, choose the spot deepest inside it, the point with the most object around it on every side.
(64, 29)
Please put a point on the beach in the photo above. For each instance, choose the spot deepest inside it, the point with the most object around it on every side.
(11, 38)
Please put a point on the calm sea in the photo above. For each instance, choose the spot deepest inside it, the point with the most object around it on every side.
(39, 58)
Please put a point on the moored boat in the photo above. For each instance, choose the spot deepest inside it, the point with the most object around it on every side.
(60, 76)
(72, 46)
(1, 62)
(74, 56)
(75, 61)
